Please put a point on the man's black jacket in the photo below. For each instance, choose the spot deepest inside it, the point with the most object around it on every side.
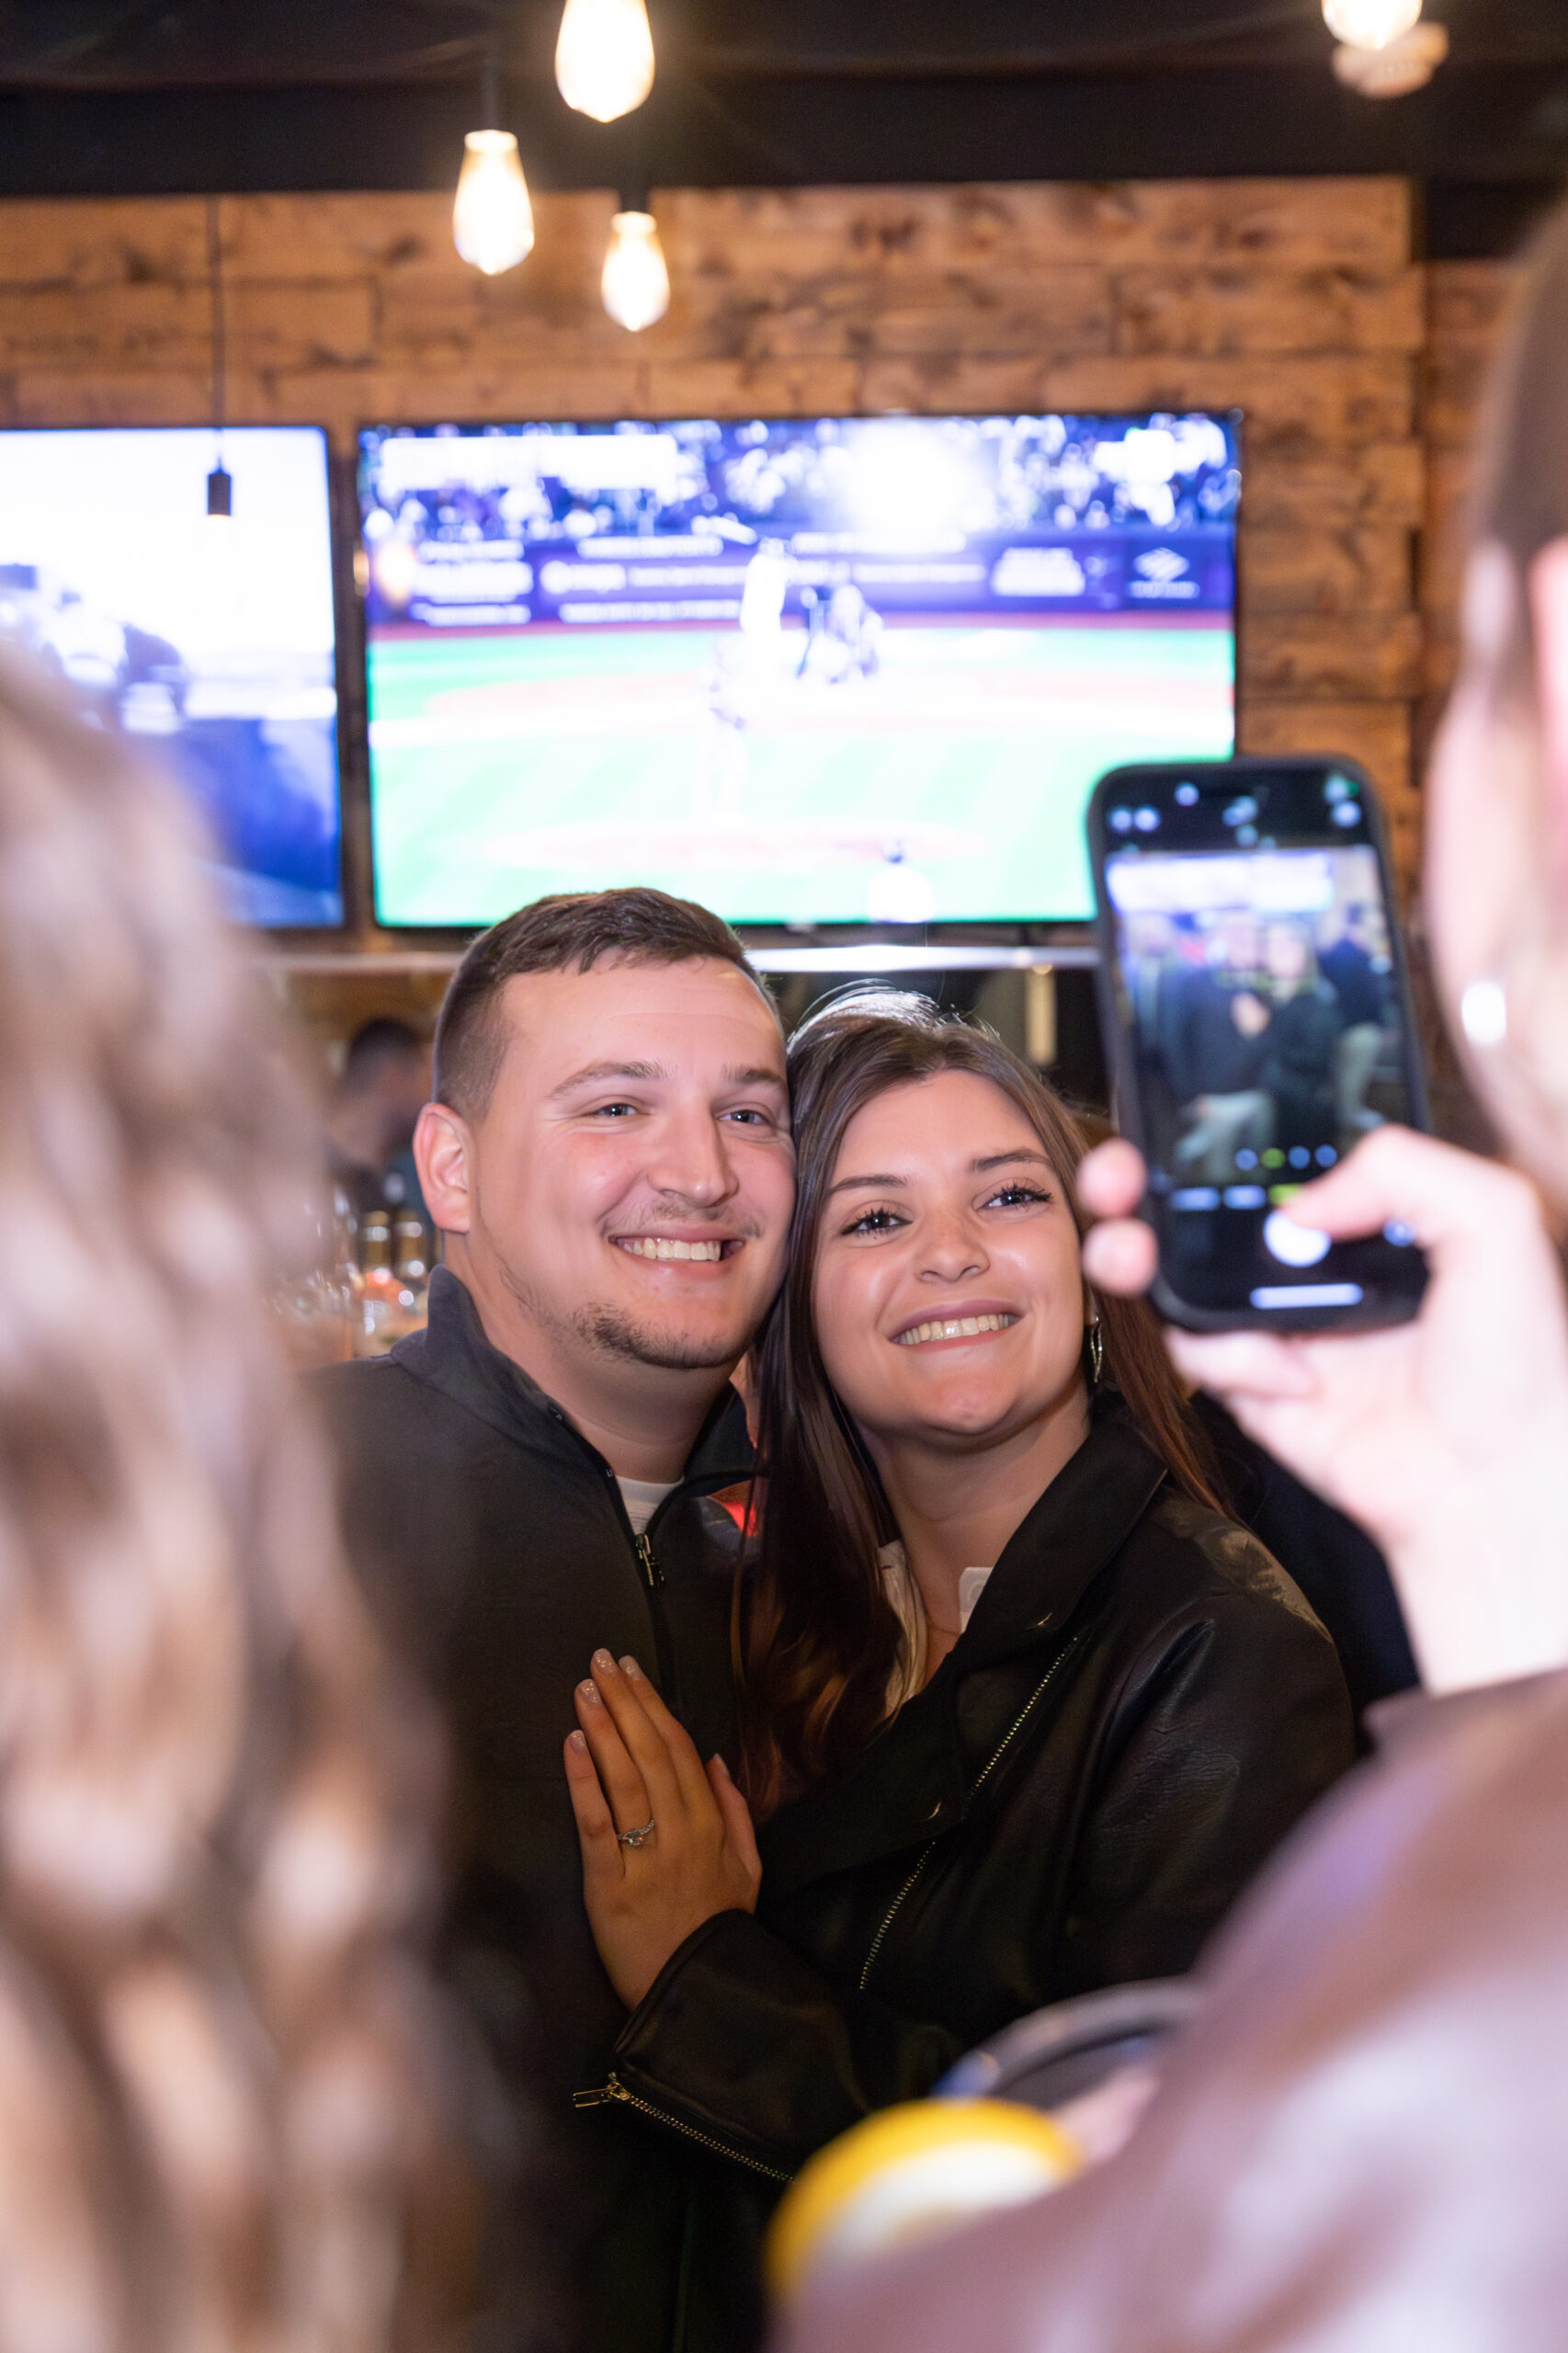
(494, 1541)
(1140, 1709)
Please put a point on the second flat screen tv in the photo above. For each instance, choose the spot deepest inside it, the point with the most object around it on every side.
(211, 642)
(819, 671)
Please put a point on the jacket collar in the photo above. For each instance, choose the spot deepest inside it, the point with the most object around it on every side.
(910, 1783)
(1087, 1512)
(453, 1355)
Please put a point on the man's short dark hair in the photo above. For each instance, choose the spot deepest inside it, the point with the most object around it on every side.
(571, 931)
(377, 1043)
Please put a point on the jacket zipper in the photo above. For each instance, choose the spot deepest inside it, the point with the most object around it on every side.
(892, 1912)
(648, 1569)
(891, 1915)
(652, 1576)
(615, 2091)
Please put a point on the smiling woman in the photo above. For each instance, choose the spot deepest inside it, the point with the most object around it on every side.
(1025, 1710)
(935, 1171)
(951, 1323)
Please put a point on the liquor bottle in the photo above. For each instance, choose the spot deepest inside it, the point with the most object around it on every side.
(317, 1304)
(411, 1264)
(380, 1323)
(346, 1245)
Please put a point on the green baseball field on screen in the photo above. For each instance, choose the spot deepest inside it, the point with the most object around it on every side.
(947, 787)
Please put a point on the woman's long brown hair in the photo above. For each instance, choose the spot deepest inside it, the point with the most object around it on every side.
(221, 2112)
(815, 1637)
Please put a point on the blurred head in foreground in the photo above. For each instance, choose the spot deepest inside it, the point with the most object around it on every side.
(1497, 829)
(216, 2128)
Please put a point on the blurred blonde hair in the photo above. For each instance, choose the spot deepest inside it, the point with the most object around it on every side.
(220, 2125)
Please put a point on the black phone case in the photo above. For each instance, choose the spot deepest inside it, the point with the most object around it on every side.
(1126, 1105)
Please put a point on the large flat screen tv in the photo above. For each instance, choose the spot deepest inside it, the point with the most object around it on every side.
(820, 671)
(210, 642)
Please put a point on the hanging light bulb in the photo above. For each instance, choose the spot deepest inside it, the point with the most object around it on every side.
(1369, 24)
(219, 485)
(1405, 65)
(604, 57)
(636, 281)
(492, 220)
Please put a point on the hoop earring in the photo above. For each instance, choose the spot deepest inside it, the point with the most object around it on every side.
(1096, 1353)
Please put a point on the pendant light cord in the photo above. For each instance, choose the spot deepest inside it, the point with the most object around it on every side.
(219, 329)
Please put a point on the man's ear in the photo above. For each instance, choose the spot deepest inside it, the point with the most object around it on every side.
(443, 1153)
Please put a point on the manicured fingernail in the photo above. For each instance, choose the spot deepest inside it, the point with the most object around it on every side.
(590, 1693)
(628, 1667)
(723, 1767)
(575, 1740)
(603, 1662)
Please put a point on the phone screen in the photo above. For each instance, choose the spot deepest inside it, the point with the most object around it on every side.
(1258, 995)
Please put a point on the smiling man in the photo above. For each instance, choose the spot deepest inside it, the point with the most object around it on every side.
(609, 1158)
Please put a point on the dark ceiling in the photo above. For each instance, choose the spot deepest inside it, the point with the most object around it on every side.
(103, 96)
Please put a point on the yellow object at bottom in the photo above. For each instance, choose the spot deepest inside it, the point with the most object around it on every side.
(909, 2174)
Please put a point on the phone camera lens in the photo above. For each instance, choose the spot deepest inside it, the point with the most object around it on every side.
(1345, 813)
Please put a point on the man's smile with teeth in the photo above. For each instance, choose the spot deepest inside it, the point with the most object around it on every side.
(655, 1246)
(955, 1327)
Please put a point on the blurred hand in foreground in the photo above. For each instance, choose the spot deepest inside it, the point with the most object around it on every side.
(1446, 1438)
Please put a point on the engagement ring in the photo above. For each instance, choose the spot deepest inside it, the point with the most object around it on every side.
(637, 1837)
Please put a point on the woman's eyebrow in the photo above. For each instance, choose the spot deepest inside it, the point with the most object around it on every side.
(859, 1184)
(1005, 1159)
(978, 1167)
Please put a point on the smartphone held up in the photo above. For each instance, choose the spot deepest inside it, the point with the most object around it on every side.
(1257, 1013)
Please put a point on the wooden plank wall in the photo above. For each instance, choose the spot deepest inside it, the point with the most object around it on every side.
(1297, 300)
(1467, 306)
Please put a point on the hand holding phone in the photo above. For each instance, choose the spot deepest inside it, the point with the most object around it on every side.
(1441, 1436)
(1254, 995)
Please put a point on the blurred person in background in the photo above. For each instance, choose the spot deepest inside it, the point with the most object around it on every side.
(1353, 958)
(1304, 1023)
(370, 1120)
(1363, 2141)
(1213, 1034)
(1025, 1708)
(222, 2088)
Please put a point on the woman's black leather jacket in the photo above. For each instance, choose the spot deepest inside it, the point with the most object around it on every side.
(1140, 1709)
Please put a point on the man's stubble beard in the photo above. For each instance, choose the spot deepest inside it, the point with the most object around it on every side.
(611, 1332)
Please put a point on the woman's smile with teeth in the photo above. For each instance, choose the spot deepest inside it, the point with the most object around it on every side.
(655, 1246)
(955, 1327)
